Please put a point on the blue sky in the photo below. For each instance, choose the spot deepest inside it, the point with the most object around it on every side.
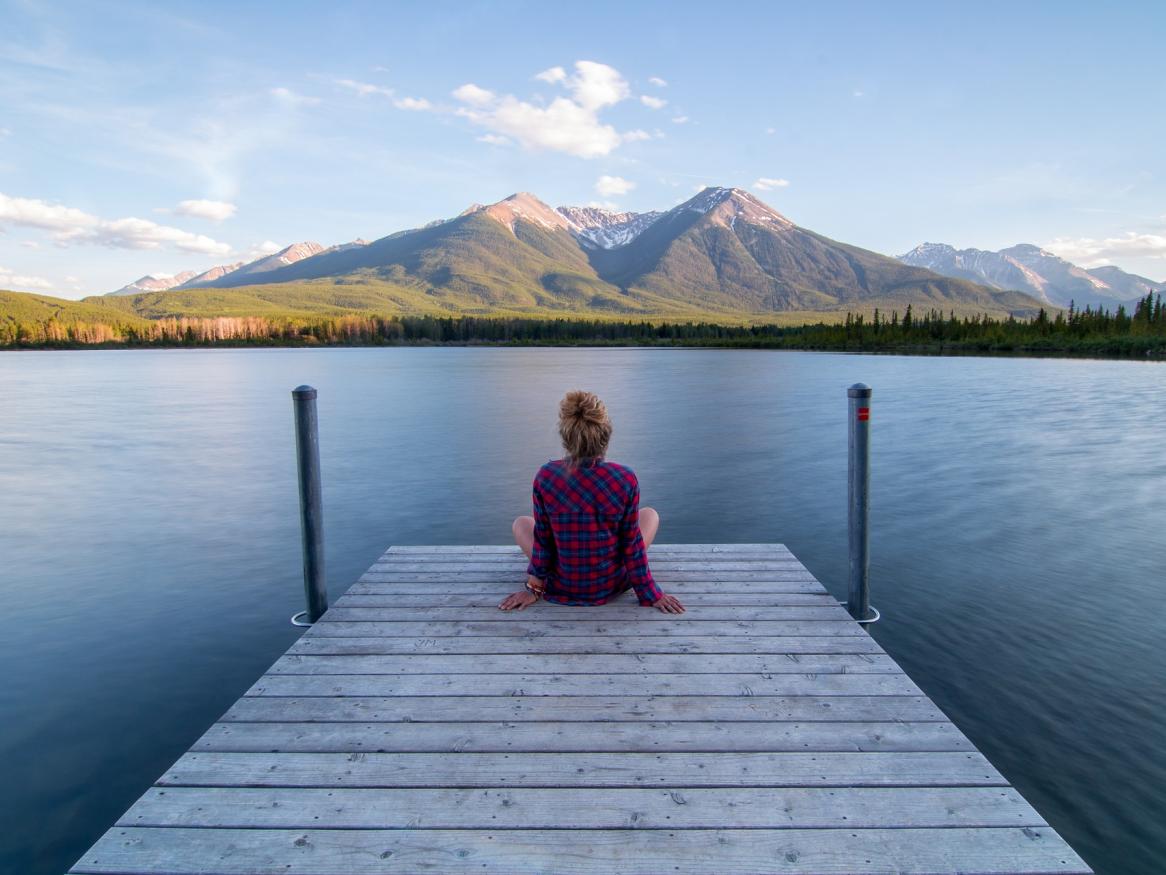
(154, 137)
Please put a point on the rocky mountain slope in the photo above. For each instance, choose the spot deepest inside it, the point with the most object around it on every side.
(721, 252)
(1036, 271)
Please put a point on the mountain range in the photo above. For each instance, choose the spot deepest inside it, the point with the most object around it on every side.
(1038, 272)
(722, 253)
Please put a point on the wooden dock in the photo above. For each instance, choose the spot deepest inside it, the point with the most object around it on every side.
(416, 728)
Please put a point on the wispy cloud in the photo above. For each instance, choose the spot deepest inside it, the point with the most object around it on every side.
(494, 140)
(767, 183)
(1091, 252)
(566, 124)
(636, 136)
(364, 89)
(657, 81)
(680, 120)
(292, 98)
(261, 250)
(417, 104)
(215, 211)
(653, 102)
(613, 186)
(21, 282)
(70, 226)
(552, 76)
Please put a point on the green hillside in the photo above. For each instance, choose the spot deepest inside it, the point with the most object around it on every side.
(24, 307)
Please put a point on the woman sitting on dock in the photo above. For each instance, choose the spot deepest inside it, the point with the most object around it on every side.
(588, 539)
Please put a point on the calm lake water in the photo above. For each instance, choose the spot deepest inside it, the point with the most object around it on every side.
(149, 539)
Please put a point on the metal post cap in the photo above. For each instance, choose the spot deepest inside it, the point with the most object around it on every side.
(859, 390)
(304, 392)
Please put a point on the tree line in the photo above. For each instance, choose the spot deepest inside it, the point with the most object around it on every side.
(1088, 331)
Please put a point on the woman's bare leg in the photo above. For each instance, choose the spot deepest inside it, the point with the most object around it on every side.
(649, 525)
(523, 529)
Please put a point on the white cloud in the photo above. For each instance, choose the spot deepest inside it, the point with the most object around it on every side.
(595, 86)
(568, 125)
(19, 282)
(553, 75)
(494, 140)
(261, 250)
(70, 226)
(679, 120)
(1089, 252)
(379, 69)
(473, 95)
(859, 94)
(215, 211)
(611, 206)
(30, 244)
(364, 89)
(636, 136)
(613, 186)
(414, 103)
(291, 98)
(767, 183)
(653, 102)
(5, 132)
(657, 81)
(771, 131)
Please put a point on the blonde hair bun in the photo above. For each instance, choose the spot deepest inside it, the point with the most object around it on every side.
(584, 425)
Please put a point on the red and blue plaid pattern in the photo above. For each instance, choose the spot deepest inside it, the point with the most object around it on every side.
(587, 541)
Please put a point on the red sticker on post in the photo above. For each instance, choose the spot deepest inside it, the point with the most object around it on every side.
(864, 414)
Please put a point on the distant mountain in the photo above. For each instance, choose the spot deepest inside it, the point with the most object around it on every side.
(1036, 271)
(209, 276)
(606, 229)
(191, 280)
(721, 253)
(155, 283)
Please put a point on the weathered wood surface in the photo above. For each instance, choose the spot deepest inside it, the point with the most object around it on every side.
(416, 728)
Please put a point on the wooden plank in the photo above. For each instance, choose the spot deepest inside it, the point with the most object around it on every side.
(636, 685)
(537, 852)
(487, 549)
(617, 769)
(523, 624)
(624, 611)
(630, 645)
(632, 808)
(500, 737)
(661, 566)
(421, 709)
(491, 597)
(585, 663)
(711, 575)
(805, 584)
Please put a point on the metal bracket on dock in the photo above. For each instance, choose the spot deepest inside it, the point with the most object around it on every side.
(877, 616)
(296, 621)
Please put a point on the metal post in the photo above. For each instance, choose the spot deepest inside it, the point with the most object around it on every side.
(311, 503)
(858, 602)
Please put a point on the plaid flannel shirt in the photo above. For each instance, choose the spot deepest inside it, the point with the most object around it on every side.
(587, 542)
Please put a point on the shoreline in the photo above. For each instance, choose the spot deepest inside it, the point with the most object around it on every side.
(915, 350)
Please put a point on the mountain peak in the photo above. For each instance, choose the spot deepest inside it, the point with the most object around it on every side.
(606, 229)
(523, 205)
(724, 206)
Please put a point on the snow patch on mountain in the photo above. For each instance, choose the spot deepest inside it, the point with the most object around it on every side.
(606, 229)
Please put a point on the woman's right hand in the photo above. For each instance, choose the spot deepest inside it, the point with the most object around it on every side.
(669, 604)
(518, 600)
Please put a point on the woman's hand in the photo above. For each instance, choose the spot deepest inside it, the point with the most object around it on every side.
(518, 600)
(669, 604)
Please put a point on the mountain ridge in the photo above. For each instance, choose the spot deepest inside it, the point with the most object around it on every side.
(722, 252)
(1028, 268)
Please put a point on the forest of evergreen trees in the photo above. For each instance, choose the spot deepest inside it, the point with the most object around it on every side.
(1087, 332)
